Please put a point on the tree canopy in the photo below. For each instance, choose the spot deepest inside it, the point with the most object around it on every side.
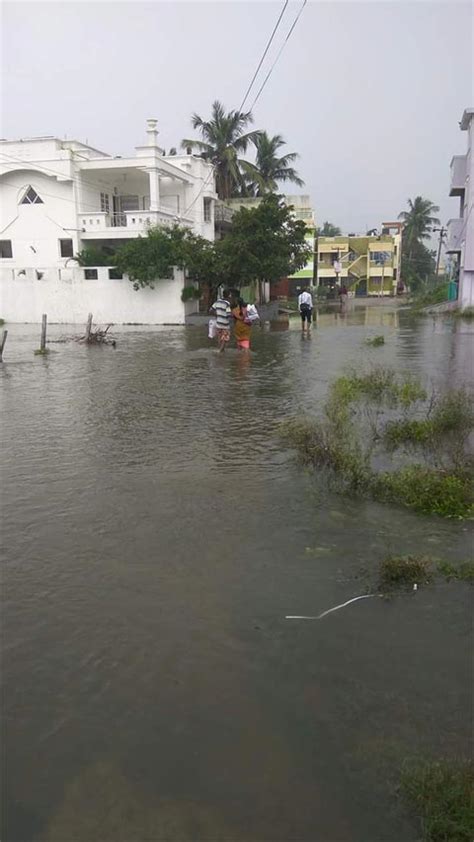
(225, 137)
(328, 230)
(265, 243)
(269, 168)
(419, 220)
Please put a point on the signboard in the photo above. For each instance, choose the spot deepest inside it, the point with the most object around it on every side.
(337, 266)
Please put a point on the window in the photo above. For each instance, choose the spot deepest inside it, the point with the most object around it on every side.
(6, 249)
(65, 248)
(90, 274)
(380, 256)
(104, 202)
(207, 209)
(31, 198)
(115, 275)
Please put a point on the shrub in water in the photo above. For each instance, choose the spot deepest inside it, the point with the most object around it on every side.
(404, 571)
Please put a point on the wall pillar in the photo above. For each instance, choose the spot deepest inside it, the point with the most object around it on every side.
(154, 179)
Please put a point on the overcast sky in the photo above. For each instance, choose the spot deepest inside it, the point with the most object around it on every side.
(369, 93)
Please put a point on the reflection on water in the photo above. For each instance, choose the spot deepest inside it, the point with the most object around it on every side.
(156, 535)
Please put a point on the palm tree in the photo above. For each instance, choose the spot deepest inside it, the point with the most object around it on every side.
(269, 168)
(419, 221)
(223, 139)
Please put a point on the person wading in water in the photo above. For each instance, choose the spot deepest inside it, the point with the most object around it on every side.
(305, 306)
(223, 312)
(242, 326)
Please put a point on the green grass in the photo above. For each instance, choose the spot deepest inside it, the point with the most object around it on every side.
(441, 795)
(2, 322)
(430, 297)
(41, 352)
(464, 571)
(466, 313)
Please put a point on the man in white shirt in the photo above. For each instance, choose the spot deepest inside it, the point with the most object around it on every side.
(305, 306)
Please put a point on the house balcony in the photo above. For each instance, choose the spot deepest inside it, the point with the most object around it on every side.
(223, 214)
(126, 224)
(455, 234)
(458, 175)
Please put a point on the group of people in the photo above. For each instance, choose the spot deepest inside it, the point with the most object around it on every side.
(230, 310)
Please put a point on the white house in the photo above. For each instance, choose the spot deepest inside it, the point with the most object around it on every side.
(460, 241)
(58, 197)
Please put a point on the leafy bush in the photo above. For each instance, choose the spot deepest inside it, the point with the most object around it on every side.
(375, 342)
(404, 571)
(190, 293)
(441, 794)
(426, 490)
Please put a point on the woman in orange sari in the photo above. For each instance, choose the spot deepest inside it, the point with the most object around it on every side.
(242, 327)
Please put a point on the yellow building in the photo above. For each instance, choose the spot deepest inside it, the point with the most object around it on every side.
(367, 265)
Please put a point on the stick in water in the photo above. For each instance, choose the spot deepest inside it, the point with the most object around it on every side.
(330, 610)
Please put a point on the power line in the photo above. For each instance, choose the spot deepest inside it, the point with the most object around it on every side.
(279, 54)
(75, 180)
(264, 54)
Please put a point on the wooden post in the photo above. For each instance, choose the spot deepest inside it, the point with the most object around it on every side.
(2, 344)
(88, 327)
(44, 320)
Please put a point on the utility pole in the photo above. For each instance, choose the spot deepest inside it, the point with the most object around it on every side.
(442, 234)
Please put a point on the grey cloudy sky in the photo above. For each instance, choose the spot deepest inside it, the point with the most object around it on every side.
(369, 94)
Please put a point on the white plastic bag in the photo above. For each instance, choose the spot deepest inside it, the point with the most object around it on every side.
(212, 332)
(252, 313)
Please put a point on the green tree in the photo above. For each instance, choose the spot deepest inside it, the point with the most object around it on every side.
(147, 259)
(95, 256)
(224, 138)
(328, 230)
(265, 243)
(269, 168)
(419, 221)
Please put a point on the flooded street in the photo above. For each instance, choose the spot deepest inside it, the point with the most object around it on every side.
(156, 533)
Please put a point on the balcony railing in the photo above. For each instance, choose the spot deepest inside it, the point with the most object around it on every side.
(458, 175)
(223, 213)
(133, 220)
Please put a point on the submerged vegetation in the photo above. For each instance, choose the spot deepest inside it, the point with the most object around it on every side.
(404, 571)
(356, 428)
(396, 572)
(441, 795)
(375, 341)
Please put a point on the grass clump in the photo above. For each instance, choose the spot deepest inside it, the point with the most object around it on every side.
(426, 490)
(463, 572)
(429, 297)
(2, 322)
(466, 313)
(404, 571)
(353, 426)
(379, 385)
(375, 341)
(441, 795)
(41, 352)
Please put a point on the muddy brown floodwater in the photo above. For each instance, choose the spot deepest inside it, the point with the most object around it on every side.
(155, 536)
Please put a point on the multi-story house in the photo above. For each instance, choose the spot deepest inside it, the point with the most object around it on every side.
(59, 197)
(367, 265)
(460, 238)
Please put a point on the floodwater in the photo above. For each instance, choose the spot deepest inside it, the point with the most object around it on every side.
(156, 534)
